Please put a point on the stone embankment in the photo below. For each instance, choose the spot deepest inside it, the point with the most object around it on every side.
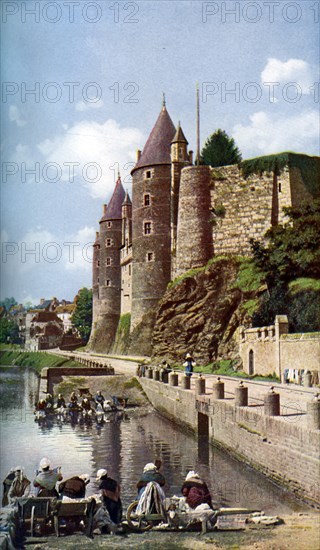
(276, 432)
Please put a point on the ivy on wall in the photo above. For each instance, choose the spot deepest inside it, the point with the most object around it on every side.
(308, 166)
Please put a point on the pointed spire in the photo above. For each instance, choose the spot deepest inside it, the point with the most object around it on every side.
(114, 208)
(127, 200)
(157, 147)
(179, 135)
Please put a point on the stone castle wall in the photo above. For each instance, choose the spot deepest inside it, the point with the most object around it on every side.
(245, 208)
(268, 350)
(194, 239)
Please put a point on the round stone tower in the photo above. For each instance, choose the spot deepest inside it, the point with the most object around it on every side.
(194, 233)
(151, 217)
(95, 278)
(107, 281)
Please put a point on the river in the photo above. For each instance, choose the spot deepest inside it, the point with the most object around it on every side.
(123, 446)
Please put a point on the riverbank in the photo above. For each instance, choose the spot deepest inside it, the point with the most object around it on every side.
(35, 360)
(298, 531)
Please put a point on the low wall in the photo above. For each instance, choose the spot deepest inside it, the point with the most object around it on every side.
(49, 374)
(283, 451)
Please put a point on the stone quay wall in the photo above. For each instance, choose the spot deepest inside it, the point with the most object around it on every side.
(285, 451)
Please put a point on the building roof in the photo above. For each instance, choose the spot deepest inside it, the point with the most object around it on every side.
(179, 135)
(127, 200)
(114, 208)
(157, 148)
(45, 317)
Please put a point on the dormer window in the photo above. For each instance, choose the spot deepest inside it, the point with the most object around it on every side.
(147, 200)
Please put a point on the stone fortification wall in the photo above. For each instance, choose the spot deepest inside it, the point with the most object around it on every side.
(300, 351)
(257, 349)
(268, 350)
(286, 452)
(194, 235)
(245, 208)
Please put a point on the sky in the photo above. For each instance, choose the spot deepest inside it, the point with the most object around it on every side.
(82, 86)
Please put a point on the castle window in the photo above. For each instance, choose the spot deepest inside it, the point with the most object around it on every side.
(148, 174)
(109, 224)
(98, 263)
(108, 261)
(180, 152)
(108, 242)
(129, 269)
(150, 256)
(147, 200)
(108, 282)
(279, 186)
(147, 228)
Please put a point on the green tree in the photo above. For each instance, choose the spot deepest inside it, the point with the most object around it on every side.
(8, 303)
(9, 332)
(82, 316)
(292, 253)
(293, 249)
(220, 150)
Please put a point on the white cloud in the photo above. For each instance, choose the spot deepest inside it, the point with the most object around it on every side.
(79, 256)
(284, 72)
(272, 134)
(15, 116)
(88, 105)
(105, 146)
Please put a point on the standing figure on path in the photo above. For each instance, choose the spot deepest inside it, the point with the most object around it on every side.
(189, 364)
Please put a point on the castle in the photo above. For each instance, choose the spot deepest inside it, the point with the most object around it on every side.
(179, 217)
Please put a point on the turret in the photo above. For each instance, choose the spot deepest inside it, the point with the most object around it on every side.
(179, 159)
(151, 218)
(109, 272)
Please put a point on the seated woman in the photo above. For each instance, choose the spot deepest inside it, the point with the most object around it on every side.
(110, 493)
(150, 473)
(74, 487)
(195, 490)
(20, 486)
(46, 479)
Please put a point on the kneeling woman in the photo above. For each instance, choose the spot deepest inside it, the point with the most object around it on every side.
(196, 491)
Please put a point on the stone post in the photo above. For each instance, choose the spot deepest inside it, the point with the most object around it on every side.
(218, 389)
(308, 379)
(149, 373)
(173, 379)
(241, 395)
(313, 412)
(200, 386)
(185, 382)
(156, 375)
(272, 403)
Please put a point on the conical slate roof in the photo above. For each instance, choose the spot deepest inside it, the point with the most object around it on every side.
(179, 135)
(127, 200)
(114, 208)
(157, 148)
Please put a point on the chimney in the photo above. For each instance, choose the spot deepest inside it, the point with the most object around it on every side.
(104, 209)
(138, 155)
(42, 300)
(191, 157)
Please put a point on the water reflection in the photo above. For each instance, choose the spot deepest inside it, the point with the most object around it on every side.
(123, 444)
